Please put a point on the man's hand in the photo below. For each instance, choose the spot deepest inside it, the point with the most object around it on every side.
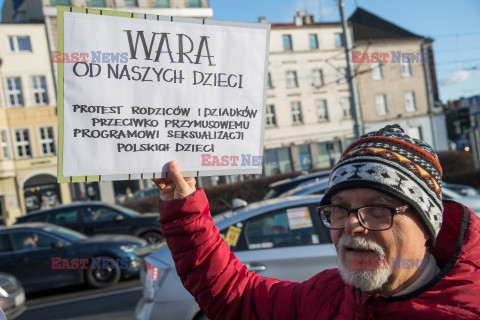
(176, 186)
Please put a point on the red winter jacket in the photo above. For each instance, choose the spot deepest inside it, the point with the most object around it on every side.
(225, 289)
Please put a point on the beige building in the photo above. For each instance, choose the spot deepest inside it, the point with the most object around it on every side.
(396, 79)
(28, 123)
(308, 117)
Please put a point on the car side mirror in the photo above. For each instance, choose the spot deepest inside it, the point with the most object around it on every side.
(119, 217)
(58, 244)
(238, 203)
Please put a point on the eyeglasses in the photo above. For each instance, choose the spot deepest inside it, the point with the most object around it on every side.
(375, 218)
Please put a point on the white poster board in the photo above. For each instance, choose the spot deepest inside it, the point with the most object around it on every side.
(137, 91)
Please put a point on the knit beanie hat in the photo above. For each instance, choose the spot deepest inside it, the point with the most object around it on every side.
(392, 162)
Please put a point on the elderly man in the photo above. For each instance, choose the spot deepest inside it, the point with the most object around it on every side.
(383, 207)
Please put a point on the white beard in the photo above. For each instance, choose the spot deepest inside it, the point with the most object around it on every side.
(367, 280)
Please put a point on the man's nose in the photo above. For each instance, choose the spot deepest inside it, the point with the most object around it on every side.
(353, 225)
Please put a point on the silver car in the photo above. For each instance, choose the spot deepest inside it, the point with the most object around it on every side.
(317, 186)
(471, 201)
(280, 238)
(12, 296)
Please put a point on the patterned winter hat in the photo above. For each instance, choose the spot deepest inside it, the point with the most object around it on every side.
(392, 162)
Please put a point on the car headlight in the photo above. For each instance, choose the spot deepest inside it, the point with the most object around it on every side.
(128, 248)
(3, 293)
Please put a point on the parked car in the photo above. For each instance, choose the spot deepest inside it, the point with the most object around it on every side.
(93, 218)
(282, 186)
(44, 256)
(145, 193)
(462, 189)
(318, 186)
(280, 238)
(473, 202)
(12, 296)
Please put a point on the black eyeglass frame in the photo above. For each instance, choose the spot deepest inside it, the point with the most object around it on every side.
(393, 212)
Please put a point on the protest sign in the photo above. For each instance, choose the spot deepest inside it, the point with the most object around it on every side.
(137, 91)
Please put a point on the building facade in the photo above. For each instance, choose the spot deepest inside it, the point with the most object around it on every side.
(399, 85)
(308, 116)
(28, 120)
(28, 123)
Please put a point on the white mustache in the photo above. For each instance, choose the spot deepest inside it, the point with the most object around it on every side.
(360, 243)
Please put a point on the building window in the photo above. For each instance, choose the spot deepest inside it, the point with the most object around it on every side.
(162, 3)
(271, 121)
(297, 112)
(194, 3)
(47, 141)
(62, 3)
(322, 110)
(40, 90)
(4, 141)
(14, 92)
(377, 72)
(292, 79)
(130, 3)
(305, 157)
(20, 44)
(415, 132)
(287, 42)
(277, 161)
(22, 144)
(313, 40)
(406, 69)
(381, 103)
(97, 3)
(410, 105)
(328, 153)
(269, 81)
(317, 76)
(347, 110)
(338, 40)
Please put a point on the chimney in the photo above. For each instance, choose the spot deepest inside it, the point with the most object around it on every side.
(308, 19)
(262, 20)
(299, 19)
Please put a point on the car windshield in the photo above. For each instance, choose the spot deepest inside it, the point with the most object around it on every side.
(129, 212)
(65, 233)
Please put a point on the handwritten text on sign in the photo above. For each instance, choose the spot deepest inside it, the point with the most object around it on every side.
(139, 93)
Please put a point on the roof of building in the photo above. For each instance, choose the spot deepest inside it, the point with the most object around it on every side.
(312, 25)
(369, 27)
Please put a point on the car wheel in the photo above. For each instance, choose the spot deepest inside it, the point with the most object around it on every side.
(103, 272)
(152, 237)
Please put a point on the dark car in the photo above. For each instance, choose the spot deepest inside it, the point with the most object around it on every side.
(282, 186)
(12, 296)
(93, 218)
(44, 256)
(145, 193)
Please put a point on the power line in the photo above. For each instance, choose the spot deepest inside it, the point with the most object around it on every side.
(456, 35)
(456, 61)
(459, 49)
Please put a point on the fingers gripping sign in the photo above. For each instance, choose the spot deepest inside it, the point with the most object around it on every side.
(176, 186)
